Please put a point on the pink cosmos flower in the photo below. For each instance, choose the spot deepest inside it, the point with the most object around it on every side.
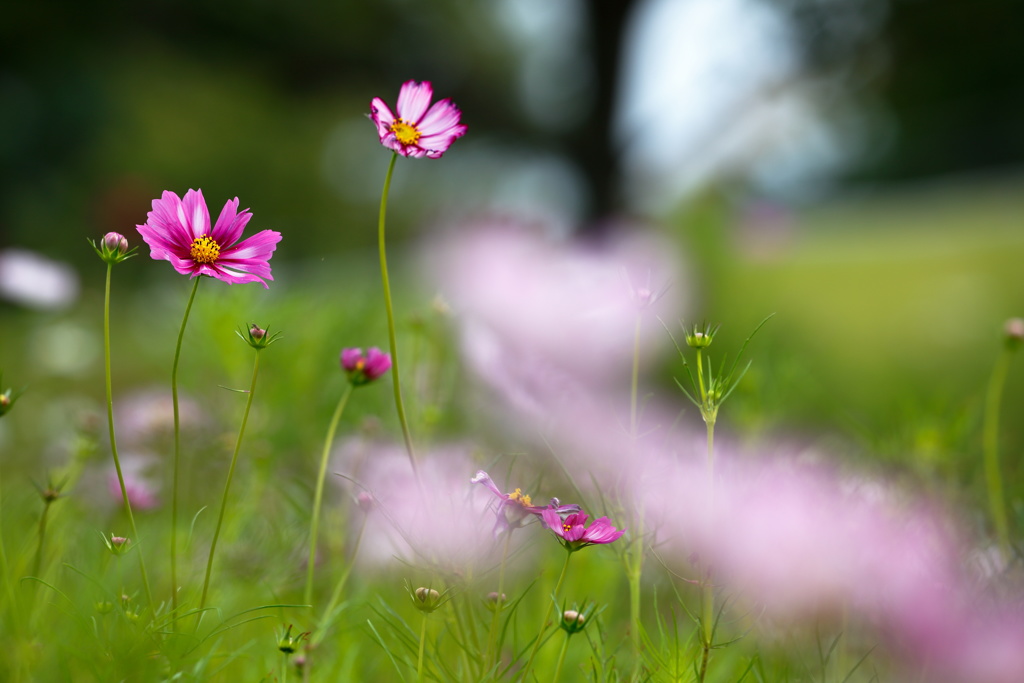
(515, 507)
(364, 369)
(417, 131)
(178, 230)
(575, 535)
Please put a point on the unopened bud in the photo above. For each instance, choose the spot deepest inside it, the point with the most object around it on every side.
(1014, 332)
(118, 545)
(115, 242)
(573, 621)
(257, 337)
(288, 643)
(426, 599)
(495, 600)
(365, 501)
(257, 333)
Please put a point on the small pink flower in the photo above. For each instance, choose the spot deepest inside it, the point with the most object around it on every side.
(515, 507)
(141, 495)
(575, 535)
(178, 230)
(364, 369)
(417, 131)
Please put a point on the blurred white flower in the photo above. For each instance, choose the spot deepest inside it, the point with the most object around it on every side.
(32, 280)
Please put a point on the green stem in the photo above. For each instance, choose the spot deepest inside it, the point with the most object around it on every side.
(392, 339)
(325, 622)
(38, 564)
(990, 437)
(12, 598)
(547, 615)
(492, 635)
(708, 588)
(113, 439)
(635, 568)
(227, 484)
(423, 641)
(177, 451)
(561, 658)
(318, 495)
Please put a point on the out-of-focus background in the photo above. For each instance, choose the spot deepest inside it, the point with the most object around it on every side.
(854, 166)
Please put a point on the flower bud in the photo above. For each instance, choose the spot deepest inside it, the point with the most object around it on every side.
(257, 337)
(104, 607)
(113, 248)
(365, 501)
(426, 599)
(495, 601)
(118, 545)
(288, 643)
(1013, 332)
(115, 241)
(573, 621)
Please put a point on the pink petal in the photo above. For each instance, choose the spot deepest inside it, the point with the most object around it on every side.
(413, 100)
(553, 521)
(230, 224)
(193, 214)
(443, 118)
(482, 477)
(257, 247)
(381, 115)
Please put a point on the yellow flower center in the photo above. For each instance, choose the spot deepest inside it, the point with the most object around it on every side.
(405, 133)
(205, 250)
(521, 498)
(566, 527)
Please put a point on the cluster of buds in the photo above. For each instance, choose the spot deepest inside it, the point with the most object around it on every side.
(113, 248)
(495, 601)
(363, 369)
(710, 389)
(258, 337)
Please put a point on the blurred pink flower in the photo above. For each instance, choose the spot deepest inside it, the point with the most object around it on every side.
(441, 520)
(141, 493)
(575, 535)
(178, 230)
(417, 131)
(543, 322)
(514, 508)
(364, 369)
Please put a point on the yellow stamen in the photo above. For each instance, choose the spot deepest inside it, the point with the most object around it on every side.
(405, 133)
(521, 498)
(205, 250)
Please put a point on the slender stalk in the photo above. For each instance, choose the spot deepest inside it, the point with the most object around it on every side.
(37, 565)
(12, 598)
(635, 566)
(177, 451)
(561, 658)
(227, 484)
(708, 588)
(990, 442)
(113, 439)
(547, 615)
(321, 630)
(392, 340)
(492, 634)
(318, 495)
(423, 641)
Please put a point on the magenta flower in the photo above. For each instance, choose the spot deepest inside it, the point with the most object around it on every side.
(178, 230)
(515, 507)
(364, 369)
(574, 535)
(417, 131)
